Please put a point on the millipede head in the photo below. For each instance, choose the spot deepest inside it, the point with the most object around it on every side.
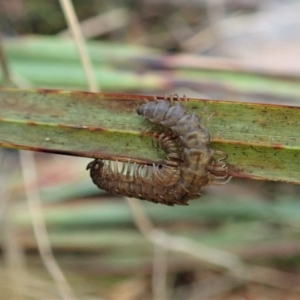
(96, 164)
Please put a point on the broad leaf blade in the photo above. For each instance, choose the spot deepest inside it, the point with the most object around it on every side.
(261, 140)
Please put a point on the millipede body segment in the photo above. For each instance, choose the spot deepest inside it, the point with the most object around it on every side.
(185, 170)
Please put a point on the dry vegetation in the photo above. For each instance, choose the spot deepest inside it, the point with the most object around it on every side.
(241, 241)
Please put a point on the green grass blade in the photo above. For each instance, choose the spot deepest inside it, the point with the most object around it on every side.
(261, 140)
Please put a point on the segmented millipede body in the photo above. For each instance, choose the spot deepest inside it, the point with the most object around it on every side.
(133, 181)
(185, 170)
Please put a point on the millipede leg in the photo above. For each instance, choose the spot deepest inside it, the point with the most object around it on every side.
(209, 118)
(222, 153)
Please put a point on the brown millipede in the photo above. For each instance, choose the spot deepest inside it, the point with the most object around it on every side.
(185, 170)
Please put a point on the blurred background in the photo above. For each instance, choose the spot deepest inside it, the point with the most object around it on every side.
(239, 241)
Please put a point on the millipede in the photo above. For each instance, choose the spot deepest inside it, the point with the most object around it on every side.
(187, 167)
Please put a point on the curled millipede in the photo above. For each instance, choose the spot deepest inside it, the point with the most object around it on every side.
(186, 169)
(133, 181)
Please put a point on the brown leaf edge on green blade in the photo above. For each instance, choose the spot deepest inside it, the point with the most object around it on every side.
(261, 140)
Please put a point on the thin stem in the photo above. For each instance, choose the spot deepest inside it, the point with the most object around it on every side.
(216, 259)
(73, 24)
(39, 227)
(4, 64)
(159, 273)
